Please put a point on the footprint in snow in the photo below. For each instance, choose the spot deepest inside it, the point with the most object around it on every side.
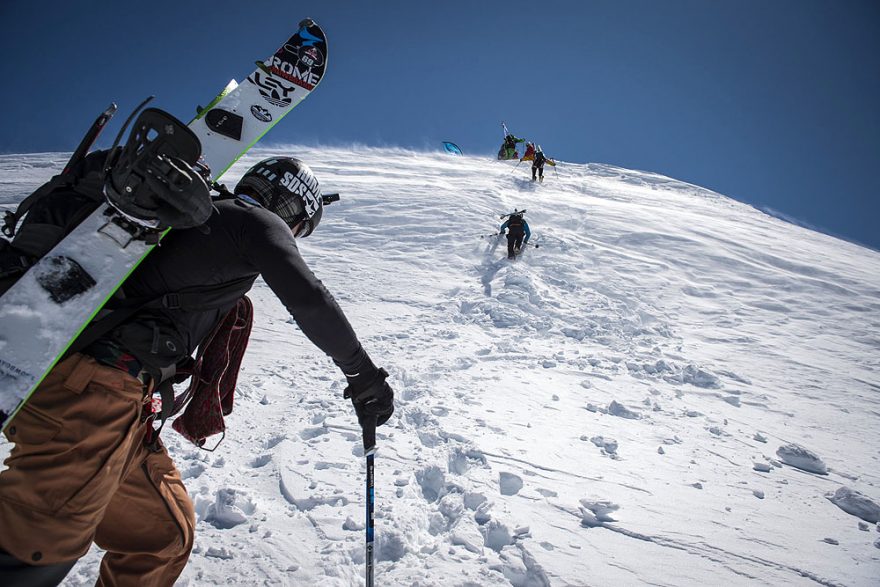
(310, 433)
(274, 441)
(193, 471)
(509, 484)
(261, 461)
(496, 535)
(432, 481)
(473, 501)
(321, 465)
(229, 509)
(462, 459)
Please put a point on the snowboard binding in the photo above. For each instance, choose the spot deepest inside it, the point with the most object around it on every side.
(155, 181)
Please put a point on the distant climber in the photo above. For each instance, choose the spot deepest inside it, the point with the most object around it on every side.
(529, 155)
(517, 228)
(538, 164)
(508, 148)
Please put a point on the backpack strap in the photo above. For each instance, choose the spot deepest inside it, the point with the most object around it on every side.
(84, 174)
(198, 298)
(11, 219)
(201, 297)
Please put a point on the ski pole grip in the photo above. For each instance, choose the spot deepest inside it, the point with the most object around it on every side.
(369, 433)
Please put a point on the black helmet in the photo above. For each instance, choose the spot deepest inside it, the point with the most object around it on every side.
(287, 187)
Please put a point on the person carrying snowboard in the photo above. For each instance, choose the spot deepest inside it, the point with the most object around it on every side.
(518, 233)
(508, 148)
(87, 464)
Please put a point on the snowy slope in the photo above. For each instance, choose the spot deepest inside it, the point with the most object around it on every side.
(608, 409)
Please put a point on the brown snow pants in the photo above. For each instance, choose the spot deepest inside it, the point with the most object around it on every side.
(81, 472)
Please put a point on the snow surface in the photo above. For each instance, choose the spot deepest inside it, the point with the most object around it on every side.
(615, 407)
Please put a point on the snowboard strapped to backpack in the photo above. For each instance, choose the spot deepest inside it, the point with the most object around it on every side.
(57, 207)
(150, 181)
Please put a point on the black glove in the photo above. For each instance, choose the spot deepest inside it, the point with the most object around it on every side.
(370, 395)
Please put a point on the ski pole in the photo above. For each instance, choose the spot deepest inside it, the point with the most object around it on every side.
(369, 432)
(517, 165)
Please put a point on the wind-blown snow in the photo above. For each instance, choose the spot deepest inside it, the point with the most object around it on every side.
(617, 407)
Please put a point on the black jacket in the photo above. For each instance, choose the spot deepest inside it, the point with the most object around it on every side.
(242, 243)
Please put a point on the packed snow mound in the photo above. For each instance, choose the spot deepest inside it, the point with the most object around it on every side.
(598, 412)
(855, 503)
(802, 458)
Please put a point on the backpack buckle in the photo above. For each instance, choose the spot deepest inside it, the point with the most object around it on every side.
(9, 222)
(171, 301)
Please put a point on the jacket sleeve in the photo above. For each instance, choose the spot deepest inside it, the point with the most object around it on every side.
(273, 251)
(528, 232)
(503, 226)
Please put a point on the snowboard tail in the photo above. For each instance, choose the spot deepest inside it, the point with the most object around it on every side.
(48, 308)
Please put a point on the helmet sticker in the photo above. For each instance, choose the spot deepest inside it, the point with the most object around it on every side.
(304, 185)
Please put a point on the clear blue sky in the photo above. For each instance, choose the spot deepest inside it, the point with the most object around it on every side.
(775, 103)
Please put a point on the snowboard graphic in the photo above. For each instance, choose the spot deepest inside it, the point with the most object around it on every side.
(37, 325)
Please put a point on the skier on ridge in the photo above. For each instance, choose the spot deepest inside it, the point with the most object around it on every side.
(87, 464)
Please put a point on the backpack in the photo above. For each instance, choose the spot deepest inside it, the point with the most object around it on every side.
(48, 215)
(515, 224)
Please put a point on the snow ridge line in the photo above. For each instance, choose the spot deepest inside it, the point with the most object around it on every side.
(566, 473)
(707, 551)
